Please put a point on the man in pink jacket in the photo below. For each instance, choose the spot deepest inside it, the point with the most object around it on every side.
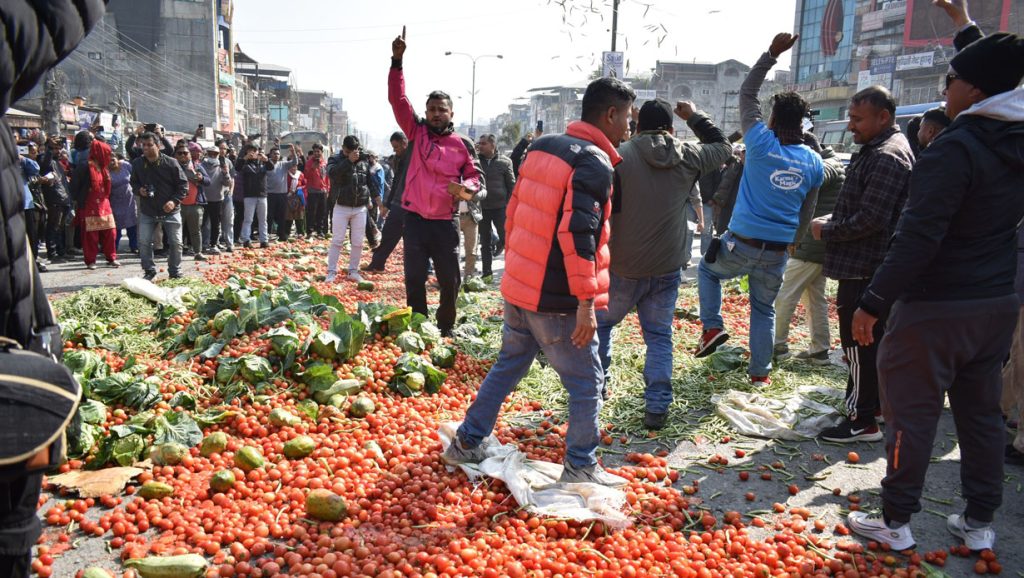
(443, 170)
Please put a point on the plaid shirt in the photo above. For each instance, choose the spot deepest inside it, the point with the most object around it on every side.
(869, 206)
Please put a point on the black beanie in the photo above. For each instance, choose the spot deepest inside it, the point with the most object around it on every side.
(994, 64)
(655, 115)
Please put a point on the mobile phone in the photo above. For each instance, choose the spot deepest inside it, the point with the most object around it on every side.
(151, 127)
(540, 126)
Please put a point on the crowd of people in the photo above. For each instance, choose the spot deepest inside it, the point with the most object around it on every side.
(920, 234)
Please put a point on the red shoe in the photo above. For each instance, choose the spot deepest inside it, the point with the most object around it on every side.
(763, 380)
(710, 340)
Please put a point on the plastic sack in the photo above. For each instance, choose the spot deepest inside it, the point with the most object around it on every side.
(795, 417)
(532, 484)
(170, 296)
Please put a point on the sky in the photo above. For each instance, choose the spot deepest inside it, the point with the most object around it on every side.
(344, 47)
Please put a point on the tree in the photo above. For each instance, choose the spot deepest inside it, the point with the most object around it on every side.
(511, 132)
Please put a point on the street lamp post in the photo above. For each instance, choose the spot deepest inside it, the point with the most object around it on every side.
(472, 94)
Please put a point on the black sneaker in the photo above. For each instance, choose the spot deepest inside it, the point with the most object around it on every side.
(150, 275)
(781, 352)
(849, 432)
(819, 358)
(264, 245)
(1013, 456)
(175, 275)
(654, 420)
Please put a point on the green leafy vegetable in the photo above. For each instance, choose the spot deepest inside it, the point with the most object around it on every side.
(177, 427)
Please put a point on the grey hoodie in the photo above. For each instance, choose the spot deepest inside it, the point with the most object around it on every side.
(653, 183)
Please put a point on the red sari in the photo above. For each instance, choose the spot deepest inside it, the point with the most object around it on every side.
(98, 225)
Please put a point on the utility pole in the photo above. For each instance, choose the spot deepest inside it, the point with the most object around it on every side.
(472, 94)
(615, 22)
(51, 103)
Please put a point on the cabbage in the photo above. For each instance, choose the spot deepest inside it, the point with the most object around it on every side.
(410, 341)
(283, 341)
(221, 319)
(254, 369)
(442, 356)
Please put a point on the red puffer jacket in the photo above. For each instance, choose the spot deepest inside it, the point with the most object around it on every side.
(557, 226)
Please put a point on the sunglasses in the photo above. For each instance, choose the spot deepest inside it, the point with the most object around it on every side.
(181, 153)
(950, 77)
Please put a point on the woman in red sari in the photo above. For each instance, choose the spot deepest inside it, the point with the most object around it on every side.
(98, 226)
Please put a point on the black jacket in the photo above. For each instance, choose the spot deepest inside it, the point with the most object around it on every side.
(519, 155)
(37, 35)
(351, 183)
(253, 177)
(55, 193)
(957, 237)
(500, 181)
(400, 164)
(164, 178)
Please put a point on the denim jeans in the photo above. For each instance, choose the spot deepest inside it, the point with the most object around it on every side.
(764, 269)
(655, 302)
(524, 334)
(257, 205)
(172, 241)
(344, 219)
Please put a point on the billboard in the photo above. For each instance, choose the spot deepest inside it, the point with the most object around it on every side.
(928, 25)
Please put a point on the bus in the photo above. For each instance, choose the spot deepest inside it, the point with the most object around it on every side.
(305, 139)
(835, 133)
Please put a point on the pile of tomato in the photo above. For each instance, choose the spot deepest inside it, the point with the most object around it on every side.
(408, 515)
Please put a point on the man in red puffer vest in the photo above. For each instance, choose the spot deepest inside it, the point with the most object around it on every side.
(556, 276)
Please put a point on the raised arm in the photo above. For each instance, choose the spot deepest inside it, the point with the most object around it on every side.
(750, 109)
(400, 105)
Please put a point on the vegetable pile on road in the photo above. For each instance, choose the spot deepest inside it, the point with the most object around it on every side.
(289, 427)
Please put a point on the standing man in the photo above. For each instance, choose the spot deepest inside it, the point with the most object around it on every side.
(933, 122)
(803, 277)
(857, 235)
(647, 227)
(557, 277)
(161, 186)
(194, 204)
(774, 204)
(947, 282)
(353, 186)
(443, 170)
(500, 182)
(317, 185)
(219, 170)
(277, 190)
(392, 211)
(35, 36)
(252, 173)
(58, 203)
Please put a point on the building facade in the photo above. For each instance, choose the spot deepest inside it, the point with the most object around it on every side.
(904, 45)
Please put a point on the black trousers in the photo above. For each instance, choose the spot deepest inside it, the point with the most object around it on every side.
(862, 381)
(497, 217)
(212, 217)
(56, 222)
(35, 220)
(239, 217)
(316, 212)
(438, 241)
(932, 349)
(394, 225)
(19, 525)
(277, 213)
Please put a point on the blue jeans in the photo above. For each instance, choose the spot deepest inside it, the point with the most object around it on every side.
(172, 241)
(764, 269)
(524, 334)
(655, 302)
(254, 206)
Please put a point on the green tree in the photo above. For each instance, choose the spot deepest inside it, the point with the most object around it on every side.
(511, 132)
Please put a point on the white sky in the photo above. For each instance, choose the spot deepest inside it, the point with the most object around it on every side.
(344, 46)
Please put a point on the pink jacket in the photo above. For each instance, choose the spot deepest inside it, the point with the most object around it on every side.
(437, 159)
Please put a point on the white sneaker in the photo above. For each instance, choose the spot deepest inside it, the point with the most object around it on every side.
(355, 277)
(974, 538)
(875, 528)
(330, 278)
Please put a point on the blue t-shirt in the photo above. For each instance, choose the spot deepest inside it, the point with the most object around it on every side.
(776, 180)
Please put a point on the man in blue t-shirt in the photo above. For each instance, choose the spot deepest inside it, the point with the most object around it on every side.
(773, 208)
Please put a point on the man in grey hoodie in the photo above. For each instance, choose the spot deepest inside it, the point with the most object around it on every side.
(648, 224)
